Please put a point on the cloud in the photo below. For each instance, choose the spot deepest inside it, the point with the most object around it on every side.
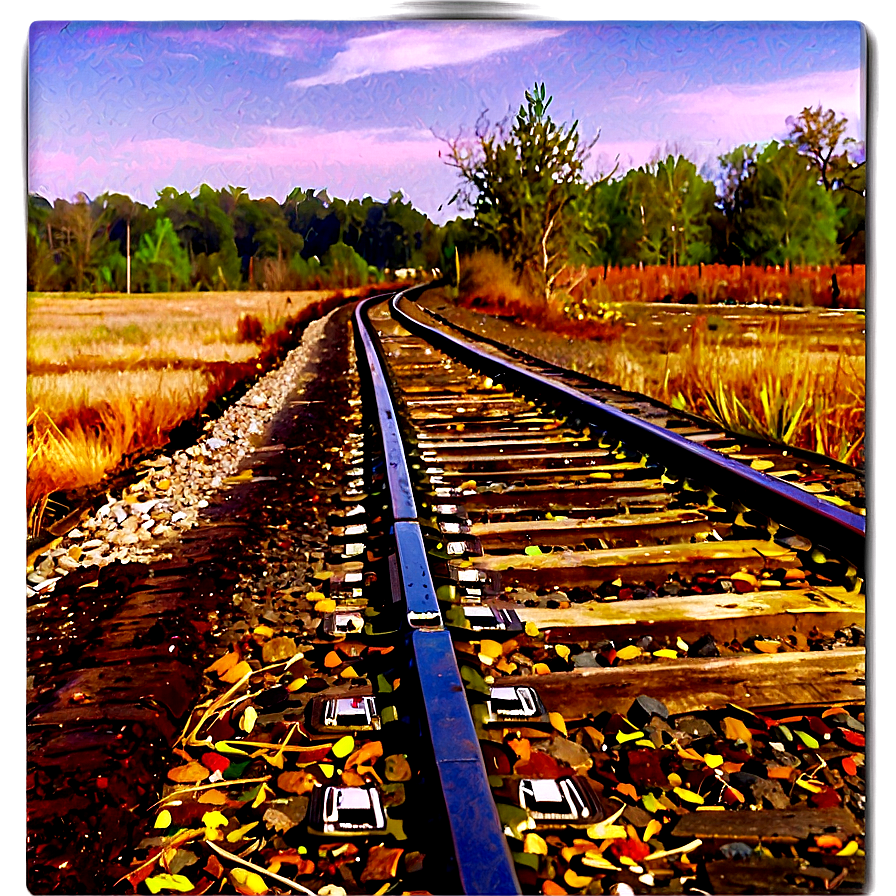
(280, 156)
(407, 49)
(754, 112)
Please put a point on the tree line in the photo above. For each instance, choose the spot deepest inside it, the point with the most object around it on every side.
(799, 201)
(223, 239)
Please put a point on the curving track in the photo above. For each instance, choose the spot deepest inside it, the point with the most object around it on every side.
(554, 642)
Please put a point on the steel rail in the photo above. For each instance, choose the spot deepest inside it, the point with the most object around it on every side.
(484, 863)
(840, 531)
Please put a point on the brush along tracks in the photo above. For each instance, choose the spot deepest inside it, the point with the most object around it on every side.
(661, 645)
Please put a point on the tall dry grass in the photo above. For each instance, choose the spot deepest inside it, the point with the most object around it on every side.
(778, 389)
(791, 375)
(110, 377)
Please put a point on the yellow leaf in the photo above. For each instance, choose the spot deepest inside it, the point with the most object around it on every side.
(541, 669)
(327, 769)
(223, 663)
(767, 646)
(327, 605)
(214, 819)
(622, 738)
(247, 882)
(163, 485)
(296, 684)
(666, 653)
(760, 464)
(576, 880)
(629, 652)
(594, 859)
(261, 796)
(239, 833)
(163, 820)
(557, 722)
(169, 882)
(688, 795)
(535, 845)
(652, 829)
(234, 674)
(490, 648)
(680, 644)
(221, 746)
(598, 831)
(343, 746)
(348, 672)
(532, 630)
(734, 729)
(247, 722)
(713, 760)
(850, 849)
(562, 651)
(265, 631)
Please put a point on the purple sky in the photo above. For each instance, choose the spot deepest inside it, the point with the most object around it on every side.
(365, 107)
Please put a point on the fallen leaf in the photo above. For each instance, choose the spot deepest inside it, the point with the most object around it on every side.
(169, 882)
(629, 653)
(214, 819)
(666, 654)
(848, 765)
(235, 673)
(397, 768)
(382, 863)
(576, 881)
(223, 663)
(532, 630)
(734, 729)
(713, 760)
(558, 722)
(652, 829)
(327, 605)
(535, 844)
(296, 782)
(163, 820)
(549, 888)
(249, 717)
(247, 882)
(343, 746)
(191, 773)
(238, 834)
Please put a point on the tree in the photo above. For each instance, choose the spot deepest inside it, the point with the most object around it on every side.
(840, 163)
(520, 181)
(782, 213)
(161, 263)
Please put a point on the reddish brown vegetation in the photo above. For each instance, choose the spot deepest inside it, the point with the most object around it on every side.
(713, 283)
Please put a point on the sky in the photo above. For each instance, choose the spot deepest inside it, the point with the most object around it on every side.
(368, 107)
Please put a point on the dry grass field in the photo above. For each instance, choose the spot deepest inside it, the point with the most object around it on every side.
(784, 372)
(109, 377)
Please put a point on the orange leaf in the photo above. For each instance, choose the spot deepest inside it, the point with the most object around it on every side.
(223, 663)
(549, 888)
(382, 863)
(190, 773)
(521, 747)
(849, 765)
(235, 673)
(332, 660)
(370, 750)
(296, 782)
(627, 789)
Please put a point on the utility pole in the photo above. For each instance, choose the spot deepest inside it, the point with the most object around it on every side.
(129, 256)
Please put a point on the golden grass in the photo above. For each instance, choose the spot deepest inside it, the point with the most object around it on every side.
(795, 376)
(72, 329)
(104, 381)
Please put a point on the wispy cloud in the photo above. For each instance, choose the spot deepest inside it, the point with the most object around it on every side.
(751, 112)
(287, 156)
(408, 49)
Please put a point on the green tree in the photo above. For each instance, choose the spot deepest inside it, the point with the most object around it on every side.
(783, 214)
(840, 164)
(161, 263)
(520, 181)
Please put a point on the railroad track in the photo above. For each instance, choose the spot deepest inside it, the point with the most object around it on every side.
(549, 647)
